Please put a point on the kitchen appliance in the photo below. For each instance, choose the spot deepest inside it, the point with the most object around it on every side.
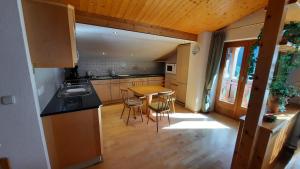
(171, 68)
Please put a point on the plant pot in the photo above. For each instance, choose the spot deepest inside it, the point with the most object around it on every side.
(274, 104)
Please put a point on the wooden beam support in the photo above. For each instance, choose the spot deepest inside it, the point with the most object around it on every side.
(4, 163)
(117, 23)
(272, 33)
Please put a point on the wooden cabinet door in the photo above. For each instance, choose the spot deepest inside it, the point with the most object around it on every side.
(181, 92)
(50, 29)
(103, 91)
(72, 138)
(115, 91)
(182, 64)
(155, 82)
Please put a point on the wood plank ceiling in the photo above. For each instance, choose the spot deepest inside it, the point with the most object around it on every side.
(190, 16)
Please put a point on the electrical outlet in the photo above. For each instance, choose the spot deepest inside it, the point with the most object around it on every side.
(5, 100)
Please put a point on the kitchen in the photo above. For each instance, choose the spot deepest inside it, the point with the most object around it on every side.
(92, 85)
(107, 61)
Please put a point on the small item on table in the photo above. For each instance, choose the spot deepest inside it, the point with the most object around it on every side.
(270, 118)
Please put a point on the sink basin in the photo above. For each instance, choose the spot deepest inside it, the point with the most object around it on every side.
(75, 90)
(123, 75)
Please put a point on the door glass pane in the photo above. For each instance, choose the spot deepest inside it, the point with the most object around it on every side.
(231, 74)
(248, 85)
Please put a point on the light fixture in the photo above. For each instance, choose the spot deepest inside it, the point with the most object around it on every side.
(103, 53)
(131, 54)
(115, 33)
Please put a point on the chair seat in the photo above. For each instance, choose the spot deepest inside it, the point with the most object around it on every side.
(139, 96)
(157, 107)
(134, 102)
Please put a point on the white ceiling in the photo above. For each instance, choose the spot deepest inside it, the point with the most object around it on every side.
(95, 41)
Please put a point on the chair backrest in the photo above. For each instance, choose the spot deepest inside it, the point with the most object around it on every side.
(124, 94)
(137, 83)
(166, 97)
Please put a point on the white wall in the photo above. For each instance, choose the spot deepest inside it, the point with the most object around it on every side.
(197, 72)
(47, 82)
(21, 138)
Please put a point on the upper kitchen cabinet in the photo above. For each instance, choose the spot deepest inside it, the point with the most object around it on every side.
(182, 63)
(50, 31)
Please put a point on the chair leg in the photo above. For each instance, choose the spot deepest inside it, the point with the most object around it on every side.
(128, 116)
(148, 118)
(169, 118)
(156, 122)
(122, 112)
(141, 113)
(173, 106)
(134, 116)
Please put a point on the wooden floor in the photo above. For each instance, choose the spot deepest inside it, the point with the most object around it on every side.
(193, 141)
(294, 163)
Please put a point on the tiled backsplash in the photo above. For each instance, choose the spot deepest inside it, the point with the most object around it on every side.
(47, 80)
(103, 66)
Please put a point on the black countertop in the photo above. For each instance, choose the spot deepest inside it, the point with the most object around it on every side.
(59, 105)
(121, 77)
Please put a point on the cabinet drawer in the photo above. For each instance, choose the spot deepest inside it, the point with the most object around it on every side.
(114, 81)
(100, 82)
(140, 79)
(126, 80)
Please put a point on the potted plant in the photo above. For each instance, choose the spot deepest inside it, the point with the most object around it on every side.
(280, 89)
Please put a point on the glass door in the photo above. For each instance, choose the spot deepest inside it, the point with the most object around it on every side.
(230, 95)
(246, 90)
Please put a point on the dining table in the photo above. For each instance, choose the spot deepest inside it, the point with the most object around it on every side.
(148, 91)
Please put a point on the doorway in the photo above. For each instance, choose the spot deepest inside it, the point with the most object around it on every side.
(234, 86)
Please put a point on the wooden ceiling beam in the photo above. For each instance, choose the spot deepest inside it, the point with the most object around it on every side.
(117, 23)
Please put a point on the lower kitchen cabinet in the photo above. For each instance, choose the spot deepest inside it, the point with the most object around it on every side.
(179, 88)
(109, 90)
(155, 82)
(74, 139)
(102, 88)
(180, 92)
(115, 91)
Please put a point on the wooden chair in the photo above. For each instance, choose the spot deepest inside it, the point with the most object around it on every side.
(138, 83)
(131, 103)
(4, 163)
(162, 106)
(172, 101)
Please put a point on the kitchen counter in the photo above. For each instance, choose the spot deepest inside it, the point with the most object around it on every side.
(59, 105)
(122, 77)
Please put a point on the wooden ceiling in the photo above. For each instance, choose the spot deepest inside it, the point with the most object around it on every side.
(187, 16)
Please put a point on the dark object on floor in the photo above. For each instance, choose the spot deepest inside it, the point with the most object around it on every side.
(270, 118)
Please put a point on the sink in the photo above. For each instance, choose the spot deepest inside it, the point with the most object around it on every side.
(123, 75)
(75, 90)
